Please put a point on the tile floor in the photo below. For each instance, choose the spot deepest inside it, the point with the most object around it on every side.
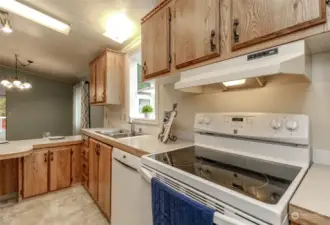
(66, 207)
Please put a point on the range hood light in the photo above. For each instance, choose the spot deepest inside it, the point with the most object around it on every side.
(234, 83)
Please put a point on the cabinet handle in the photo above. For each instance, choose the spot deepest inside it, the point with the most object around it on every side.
(327, 2)
(235, 30)
(45, 155)
(145, 68)
(212, 41)
(94, 98)
(103, 94)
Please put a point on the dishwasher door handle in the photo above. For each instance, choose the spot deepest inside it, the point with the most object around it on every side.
(127, 166)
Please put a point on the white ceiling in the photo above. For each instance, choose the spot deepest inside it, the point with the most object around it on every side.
(67, 57)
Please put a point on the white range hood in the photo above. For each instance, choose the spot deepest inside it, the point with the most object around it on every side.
(293, 58)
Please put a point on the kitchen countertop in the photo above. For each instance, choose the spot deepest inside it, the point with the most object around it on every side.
(310, 203)
(139, 145)
(21, 148)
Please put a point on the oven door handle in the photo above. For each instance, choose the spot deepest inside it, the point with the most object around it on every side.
(146, 174)
(219, 219)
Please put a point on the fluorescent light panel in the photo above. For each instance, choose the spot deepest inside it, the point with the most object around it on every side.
(234, 82)
(34, 15)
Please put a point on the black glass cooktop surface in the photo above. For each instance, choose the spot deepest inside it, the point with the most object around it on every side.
(263, 180)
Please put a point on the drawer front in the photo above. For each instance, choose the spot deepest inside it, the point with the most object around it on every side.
(84, 152)
(85, 141)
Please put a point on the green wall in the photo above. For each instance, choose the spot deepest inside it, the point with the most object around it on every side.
(46, 107)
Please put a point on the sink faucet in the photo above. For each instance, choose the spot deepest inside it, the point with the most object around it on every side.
(131, 121)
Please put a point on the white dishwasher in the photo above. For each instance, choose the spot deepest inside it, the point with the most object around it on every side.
(131, 194)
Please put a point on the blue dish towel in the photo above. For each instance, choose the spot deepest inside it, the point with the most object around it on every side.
(172, 208)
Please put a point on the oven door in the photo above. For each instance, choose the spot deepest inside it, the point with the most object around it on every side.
(220, 218)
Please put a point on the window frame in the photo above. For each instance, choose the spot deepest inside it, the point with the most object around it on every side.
(142, 121)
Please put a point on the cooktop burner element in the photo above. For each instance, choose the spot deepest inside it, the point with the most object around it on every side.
(265, 181)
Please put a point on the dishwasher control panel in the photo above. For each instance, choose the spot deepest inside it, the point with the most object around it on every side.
(126, 159)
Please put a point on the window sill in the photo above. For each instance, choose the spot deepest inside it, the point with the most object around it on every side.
(151, 122)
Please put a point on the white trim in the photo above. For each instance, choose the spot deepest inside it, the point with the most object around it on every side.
(321, 156)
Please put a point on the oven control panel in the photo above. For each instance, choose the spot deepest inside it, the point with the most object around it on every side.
(289, 128)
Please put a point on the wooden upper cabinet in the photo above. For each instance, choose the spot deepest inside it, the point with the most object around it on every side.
(104, 179)
(93, 168)
(35, 173)
(255, 21)
(196, 30)
(92, 84)
(60, 168)
(101, 79)
(155, 43)
(106, 79)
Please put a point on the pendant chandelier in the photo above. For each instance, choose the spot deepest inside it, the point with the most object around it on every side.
(16, 82)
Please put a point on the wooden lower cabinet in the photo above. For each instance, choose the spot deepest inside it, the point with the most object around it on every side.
(100, 156)
(93, 169)
(60, 168)
(76, 164)
(35, 173)
(104, 179)
(8, 176)
(51, 169)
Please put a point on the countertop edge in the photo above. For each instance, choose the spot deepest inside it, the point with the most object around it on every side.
(302, 216)
(31, 147)
(116, 144)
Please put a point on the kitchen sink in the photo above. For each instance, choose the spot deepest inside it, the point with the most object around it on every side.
(125, 135)
(117, 134)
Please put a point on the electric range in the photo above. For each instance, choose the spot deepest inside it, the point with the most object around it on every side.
(245, 165)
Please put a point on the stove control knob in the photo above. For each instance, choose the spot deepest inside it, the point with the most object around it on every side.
(207, 120)
(200, 120)
(291, 125)
(276, 124)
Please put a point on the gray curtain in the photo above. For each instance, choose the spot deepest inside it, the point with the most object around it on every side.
(81, 117)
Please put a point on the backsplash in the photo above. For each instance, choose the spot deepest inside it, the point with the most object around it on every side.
(278, 97)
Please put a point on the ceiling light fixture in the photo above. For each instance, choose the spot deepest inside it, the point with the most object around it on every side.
(119, 27)
(234, 83)
(7, 83)
(5, 23)
(35, 15)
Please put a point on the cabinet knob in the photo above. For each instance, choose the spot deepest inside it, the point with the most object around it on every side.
(235, 30)
(212, 41)
(327, 2)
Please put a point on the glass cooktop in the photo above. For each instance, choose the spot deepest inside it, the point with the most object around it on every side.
(265, 181)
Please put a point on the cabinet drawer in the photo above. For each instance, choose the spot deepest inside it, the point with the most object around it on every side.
(85, 168)
(84, 153)
(85, 141)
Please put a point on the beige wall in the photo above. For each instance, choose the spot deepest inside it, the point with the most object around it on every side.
(278, 96)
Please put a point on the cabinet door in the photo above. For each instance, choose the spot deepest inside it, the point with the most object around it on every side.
(60, 168)
(155, 44)
(255, 21)
(35, 173)
(93, 169)
(104, 179)
(101, 79)
(115, 73)
(92, 84)
(76, 166)
(196, 27)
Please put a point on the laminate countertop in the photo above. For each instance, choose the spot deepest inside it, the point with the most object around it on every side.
(310, 203)
(17, 149)
(139, 145)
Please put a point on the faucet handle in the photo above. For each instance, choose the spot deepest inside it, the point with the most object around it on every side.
(130, 120)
